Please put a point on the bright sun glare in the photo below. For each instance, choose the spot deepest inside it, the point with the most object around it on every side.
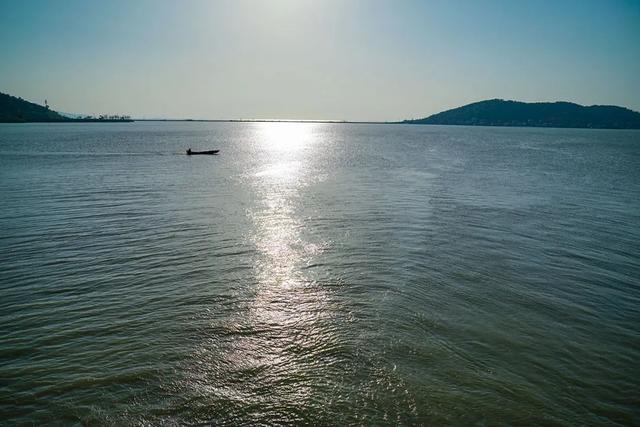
(286, 136)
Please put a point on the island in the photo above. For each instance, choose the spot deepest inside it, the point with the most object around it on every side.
(17, 110)
(498, 112)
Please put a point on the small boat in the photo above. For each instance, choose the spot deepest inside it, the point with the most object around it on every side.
(190, 152)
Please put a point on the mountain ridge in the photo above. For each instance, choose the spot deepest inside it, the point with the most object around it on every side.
(562, 114)
(17, 110)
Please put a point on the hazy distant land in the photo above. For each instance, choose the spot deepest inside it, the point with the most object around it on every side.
(494, 112)
(17, 110)
(498, 112)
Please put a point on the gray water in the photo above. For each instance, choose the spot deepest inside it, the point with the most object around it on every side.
(323, 274)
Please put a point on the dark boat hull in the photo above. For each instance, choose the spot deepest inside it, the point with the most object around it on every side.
(210, 152)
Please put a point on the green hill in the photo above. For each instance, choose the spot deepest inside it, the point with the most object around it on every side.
(17, 110)
(497, 112)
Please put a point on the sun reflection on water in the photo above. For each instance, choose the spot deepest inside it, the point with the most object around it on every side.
(279, 229)
(285, 337)
(275, 344)
(286, 136)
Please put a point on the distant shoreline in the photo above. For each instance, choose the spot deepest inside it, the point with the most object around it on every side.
(402, 123)
(265, 121)
(560, 114)
(69, 121)
(491, 113)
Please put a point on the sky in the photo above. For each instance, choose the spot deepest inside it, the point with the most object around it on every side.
(365, 60)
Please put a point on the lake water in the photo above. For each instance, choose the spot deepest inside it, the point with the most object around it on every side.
(327, 274)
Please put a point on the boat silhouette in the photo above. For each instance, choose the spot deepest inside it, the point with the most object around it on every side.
(191, 152)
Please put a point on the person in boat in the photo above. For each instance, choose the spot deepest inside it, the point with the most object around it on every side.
(189, 150)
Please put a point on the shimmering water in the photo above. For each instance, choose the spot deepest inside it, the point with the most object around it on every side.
(326, 274)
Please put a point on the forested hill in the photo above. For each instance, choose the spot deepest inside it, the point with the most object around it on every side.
(17, 110)
(497, 112)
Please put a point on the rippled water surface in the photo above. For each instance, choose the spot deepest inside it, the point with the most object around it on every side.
(327, 274)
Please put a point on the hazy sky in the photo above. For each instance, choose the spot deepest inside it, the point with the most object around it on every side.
(304, 59)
